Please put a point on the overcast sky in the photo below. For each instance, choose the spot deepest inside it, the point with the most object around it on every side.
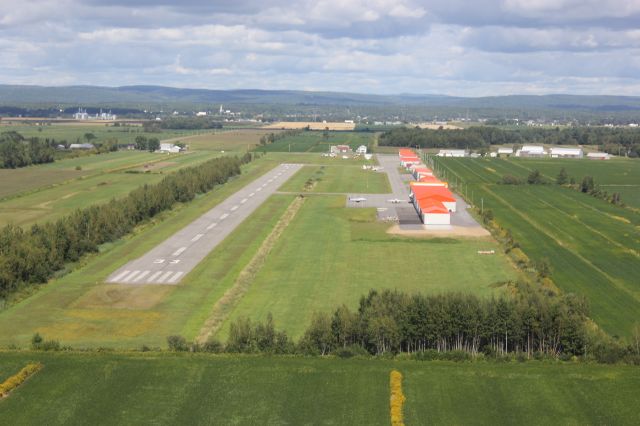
(455, 47)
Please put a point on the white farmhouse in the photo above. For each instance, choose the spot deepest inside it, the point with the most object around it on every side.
(505, 151)
(452, 153)
(361, 150)
(598, 156)
(169, 148)
(557, 152)
(531, 151)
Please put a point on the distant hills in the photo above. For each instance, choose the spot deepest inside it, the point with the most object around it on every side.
(36, 100)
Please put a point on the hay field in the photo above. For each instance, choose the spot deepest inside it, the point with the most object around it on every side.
(313, 125)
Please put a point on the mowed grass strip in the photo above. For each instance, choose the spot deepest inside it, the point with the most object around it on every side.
(337, 179)
(204, 389)
(74, 310)
(330, 255)
(592, 245)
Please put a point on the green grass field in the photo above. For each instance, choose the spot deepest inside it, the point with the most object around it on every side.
(203, 389)
(72, 132)
(315, 142)
(102, 177)
(338, 179)
(330, 255)
(592, 246)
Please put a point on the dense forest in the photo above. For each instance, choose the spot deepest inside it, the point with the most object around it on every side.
(16, 151)
(623, 141)
(29, 256)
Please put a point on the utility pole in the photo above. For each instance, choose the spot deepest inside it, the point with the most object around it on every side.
(481, 205)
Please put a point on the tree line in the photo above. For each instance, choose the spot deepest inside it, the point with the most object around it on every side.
(270, 138)
(31, 256)
(529, 323)
(16, 151)
(182, 123)
(619, 141)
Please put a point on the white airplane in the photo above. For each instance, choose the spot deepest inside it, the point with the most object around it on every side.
(357, 199)
(396, 201)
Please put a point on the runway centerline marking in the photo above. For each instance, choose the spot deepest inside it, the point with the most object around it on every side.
(234, 208)
(179, 251)
(224, 216)
(244, 200)
(252, 194)
(210, 227)
(197, 237)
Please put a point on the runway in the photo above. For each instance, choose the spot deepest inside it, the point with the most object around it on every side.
(169, 262)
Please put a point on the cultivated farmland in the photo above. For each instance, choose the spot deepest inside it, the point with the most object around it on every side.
(592, 246)
(316, 142)
(203, 389)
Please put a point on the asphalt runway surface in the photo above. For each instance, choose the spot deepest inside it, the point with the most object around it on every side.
(170, 261)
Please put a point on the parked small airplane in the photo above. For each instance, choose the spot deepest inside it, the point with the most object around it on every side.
(357, 199)
(396, 201)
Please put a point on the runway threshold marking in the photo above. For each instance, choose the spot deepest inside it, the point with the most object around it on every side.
(164, 277)
(130, 276)
(141, 276)
(174, 278)
(120, 276)
(154, 276)
(179, 251)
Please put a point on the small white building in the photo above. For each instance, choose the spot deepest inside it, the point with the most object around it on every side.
(557, 152)
(598, 156)
(505, 151)
(452, 153)
(169, 148)
(201, 114)
(531, 151)
(340, 149)
(81, 146)
(361, 150)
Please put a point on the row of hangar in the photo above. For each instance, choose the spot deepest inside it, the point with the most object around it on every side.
(431, 197)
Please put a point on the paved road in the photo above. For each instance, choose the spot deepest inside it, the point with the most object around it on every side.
(171, 260)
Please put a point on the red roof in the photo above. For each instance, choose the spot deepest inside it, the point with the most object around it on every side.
(441, 193)
(431, 206)
(422, 170)
(403, 152)
(409, 158)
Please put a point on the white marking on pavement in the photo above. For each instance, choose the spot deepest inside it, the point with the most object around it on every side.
(197, 237)
(259, 189)
(164, 277)
(153, 277)
(264, 184)
(179, 251)
(130, 276)
(141, 276)
(252, 194)
(117, 278)
(174, 278)
(234, 208)
(224, 216)
(244, 200)
(213, 225)
(158, 261)
(175, 261)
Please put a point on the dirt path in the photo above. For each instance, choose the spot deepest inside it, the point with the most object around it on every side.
(453, 231)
